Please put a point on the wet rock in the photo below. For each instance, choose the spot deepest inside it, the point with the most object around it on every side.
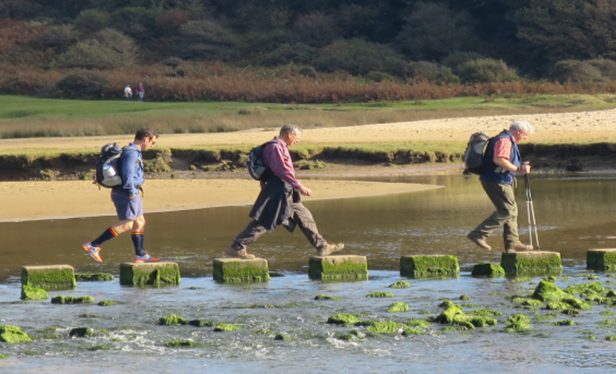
(400, 284)
(464, 297)
(338, 268)
(384, 327)
(155, 274)
(488, 270)
(72, 300)
(12, 334)
(601, 259)
(555, 298)
(352, 335)
(33, 293)
(52, 277)
(518, 323)
(281, 336)
(432, 266)
(343, 319)
(531, 263)
(200, 323)
(565, 322)
(93, 277)
(233, 270)
(82, 332)
(107, 303)
(380, 294)
(611, 338)
(180, 343)
(398, 307)
(172, 320)
(454, 315)
(326, 297)
(226, 327)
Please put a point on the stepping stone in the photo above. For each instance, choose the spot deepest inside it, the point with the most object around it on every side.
(237, 270)
(488, 270)
(338, 268)
(149, 274)
(429, 266)
(602, 259)
(49, 277)
(531, 263)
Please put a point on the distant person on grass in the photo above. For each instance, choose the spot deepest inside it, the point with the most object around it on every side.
(279, 202)
(127, 199)
(128, 92)
(140, 91)
(502, 161)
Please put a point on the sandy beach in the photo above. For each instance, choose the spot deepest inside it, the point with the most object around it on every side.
(62, 199)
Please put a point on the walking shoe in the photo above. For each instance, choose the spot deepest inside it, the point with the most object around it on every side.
(481, 242)
(145, 258)
(241, 253)
(329, 249)
(94, 252)
(519, 247)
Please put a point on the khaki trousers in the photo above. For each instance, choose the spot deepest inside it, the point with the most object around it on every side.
(506, 214)
(301, 216)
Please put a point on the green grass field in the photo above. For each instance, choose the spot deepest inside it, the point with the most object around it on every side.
(22, 117)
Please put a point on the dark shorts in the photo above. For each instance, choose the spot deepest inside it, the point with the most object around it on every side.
(126, 208)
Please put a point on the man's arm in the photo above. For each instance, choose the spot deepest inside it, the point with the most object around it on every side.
(502, 150)
(281, 165)
(129, 160)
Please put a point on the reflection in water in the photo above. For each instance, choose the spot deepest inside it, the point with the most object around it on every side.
(572, 214)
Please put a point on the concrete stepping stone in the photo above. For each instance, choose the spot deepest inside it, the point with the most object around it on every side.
(150, 274)
(429, 266)
(601, 259)
(49, 277)
(338, 268)
(237, 270)
(531, 263)
(488, 270)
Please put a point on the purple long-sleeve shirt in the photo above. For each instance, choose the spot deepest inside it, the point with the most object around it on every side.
(278, 159)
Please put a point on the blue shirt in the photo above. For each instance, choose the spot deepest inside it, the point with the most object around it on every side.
(493, 172)
(131, 169)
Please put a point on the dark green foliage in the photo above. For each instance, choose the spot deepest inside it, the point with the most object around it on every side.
(486, 70)
(87, 85)
(358, 56)
(576, 71)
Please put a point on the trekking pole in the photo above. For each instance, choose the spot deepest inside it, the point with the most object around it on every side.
(531, 211)
(528, 197)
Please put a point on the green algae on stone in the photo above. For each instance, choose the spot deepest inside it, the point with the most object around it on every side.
(384, 327)
(172, 320)
(601, 259)
(55, 277)
(200, 323)
(93, 277)
(400, 284)
(453, 314)
(12, 334)
(72, 300)
(611, 338)
(226, 327)
(352, 335)
(557, 299)
(565, 322)
(429, 266)
(326, 297)
(155, 274)
(488, 270)
(343, 319)
(3, 356)
(82, 332)
(338, 268)
(33, 293)
(381, 294)
(233, 270)
(180, 343)
(531, 263)
(518, 323)
(464, 297)
(107, 303)
(526, 302)
(398, 307)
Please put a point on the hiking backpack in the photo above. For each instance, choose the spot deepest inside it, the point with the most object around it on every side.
(256, 165)
(108, 166)
(475, 150)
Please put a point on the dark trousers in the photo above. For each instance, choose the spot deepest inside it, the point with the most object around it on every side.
(301, 216)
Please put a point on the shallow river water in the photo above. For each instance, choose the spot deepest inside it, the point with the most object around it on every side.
(573, 214)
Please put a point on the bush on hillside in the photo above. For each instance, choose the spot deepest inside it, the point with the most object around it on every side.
(457, 58)
(92, 20)
(297, 53)
(606, 66)
(360, 57)
(431, 72)
(107, 49)
(86, 85)
(575, 71)
(486, 70)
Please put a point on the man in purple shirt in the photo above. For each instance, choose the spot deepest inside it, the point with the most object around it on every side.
(279, 202)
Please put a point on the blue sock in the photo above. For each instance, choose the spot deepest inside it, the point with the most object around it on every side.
(137, 238)
(110, 233)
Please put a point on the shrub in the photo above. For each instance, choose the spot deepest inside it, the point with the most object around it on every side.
(298, 53)
(575, 71)
(92, 20)
(316, 28)
(457, 58)
(107, 49)
(431, 72)
(358, 56)
(379, 76)
(86, 85)
(606, 66)
(486, 70)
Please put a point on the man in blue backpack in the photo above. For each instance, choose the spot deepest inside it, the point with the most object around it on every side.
(279, 202)
(501, 163)
(127, 199)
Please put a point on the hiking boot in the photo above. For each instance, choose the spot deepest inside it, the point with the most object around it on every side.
(329, 249)
(94, 252)
(145, 258)
(481, 242)
(238, 253)
(519, 247)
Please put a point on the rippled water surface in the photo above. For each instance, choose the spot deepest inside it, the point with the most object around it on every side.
(573, 215)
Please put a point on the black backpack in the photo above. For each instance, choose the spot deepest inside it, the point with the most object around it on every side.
(475, 150)
(256, 165)
(108, 166)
